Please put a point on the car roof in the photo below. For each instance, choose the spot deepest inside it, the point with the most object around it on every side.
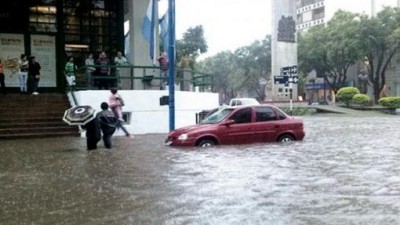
(243, 101)
(244, 106)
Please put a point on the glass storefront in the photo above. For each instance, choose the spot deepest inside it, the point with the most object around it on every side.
(78, 28)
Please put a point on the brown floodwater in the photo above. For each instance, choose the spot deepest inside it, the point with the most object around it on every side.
(345, 171)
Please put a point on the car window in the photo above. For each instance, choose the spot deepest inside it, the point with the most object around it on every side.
(242, 116)
(217, 116)
(281, 114)
(265, 114)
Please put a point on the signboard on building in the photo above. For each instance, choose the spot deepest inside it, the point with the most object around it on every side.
(43, 47)
(11, 48)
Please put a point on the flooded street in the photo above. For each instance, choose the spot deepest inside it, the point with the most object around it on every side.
(346, 171)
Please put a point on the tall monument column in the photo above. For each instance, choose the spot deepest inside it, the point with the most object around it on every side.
(284, 51)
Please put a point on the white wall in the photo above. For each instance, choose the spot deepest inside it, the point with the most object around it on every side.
(147, 114)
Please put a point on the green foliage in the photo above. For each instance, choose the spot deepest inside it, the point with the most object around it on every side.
(346, 94)
(242, 71)
(191, 45)
(361, 99)
(348, 38)
(390, 102)
(300, 111)
(380, 41)
(337, 49)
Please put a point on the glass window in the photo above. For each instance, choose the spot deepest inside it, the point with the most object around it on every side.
(265, 114)
(217, 116)
(43, 18)
(242, 116)
(281, 114)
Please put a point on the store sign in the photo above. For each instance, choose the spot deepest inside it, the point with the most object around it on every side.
(11, 48)
(43, 47)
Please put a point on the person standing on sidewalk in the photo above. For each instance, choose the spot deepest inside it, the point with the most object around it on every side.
(70, 71)
(90, 69)
(23, 73)
(119, 60)
(104, 71)
(34, 74)
(163, 70)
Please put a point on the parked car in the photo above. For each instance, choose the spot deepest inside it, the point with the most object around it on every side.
(243, 101)
(240, 125)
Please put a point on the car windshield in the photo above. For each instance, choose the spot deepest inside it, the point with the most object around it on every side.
(217, 116)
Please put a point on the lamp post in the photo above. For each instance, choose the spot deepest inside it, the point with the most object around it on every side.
(324, 87)
(171, 68)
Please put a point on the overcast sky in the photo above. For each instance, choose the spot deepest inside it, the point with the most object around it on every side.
(227, 24)
(230, 24)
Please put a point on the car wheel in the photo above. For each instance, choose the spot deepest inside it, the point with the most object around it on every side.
(206, 143)
(286, 138)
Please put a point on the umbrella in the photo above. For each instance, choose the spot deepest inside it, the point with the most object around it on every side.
(79, 115)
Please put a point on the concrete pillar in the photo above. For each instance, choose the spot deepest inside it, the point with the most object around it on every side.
(139, 47)
(284, 53)
(373, 8)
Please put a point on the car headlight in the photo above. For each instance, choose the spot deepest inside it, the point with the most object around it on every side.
(182, 137)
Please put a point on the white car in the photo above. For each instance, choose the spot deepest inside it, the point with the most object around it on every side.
(243, 101)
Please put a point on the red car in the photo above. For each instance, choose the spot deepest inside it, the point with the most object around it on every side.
(240, 125)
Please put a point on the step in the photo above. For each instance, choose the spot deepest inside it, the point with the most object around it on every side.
(37, 130)
(31, 105)
(39, 135)
(31, 119)
(29, 116)
(13, 115)
(45, 123)
(38, 98)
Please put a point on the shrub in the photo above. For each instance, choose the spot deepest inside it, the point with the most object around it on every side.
(346, 94)
(390, 102)
(361, 99)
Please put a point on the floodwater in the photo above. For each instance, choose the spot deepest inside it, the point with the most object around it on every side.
(346, 171)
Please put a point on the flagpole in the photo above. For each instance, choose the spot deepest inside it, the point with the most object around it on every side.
(171, 68)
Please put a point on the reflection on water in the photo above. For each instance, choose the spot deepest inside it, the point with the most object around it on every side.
(346, 171)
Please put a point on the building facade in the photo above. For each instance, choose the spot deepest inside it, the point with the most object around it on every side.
(318, 12)
(315, 12)
(52, 30)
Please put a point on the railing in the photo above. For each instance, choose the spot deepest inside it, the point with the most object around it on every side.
(128, 77)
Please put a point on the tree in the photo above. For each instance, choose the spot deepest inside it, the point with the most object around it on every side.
(380, 39)
(254, 64)
(338, 48)
(220, 66)
(241, 71)
(191, 45)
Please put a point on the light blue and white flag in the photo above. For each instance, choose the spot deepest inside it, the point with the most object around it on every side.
(148, 28)
(164, 32)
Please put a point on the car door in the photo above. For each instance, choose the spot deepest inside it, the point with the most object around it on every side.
(266, 124)
(241, 131)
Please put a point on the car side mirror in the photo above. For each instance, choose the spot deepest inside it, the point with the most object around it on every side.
(228, 122)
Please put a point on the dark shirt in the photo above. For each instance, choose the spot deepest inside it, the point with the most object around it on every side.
(93, 129)
(34, 69)
(104, 66)
(108, 122)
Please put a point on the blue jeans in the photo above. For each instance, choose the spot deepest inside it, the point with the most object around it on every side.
(23, 77)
